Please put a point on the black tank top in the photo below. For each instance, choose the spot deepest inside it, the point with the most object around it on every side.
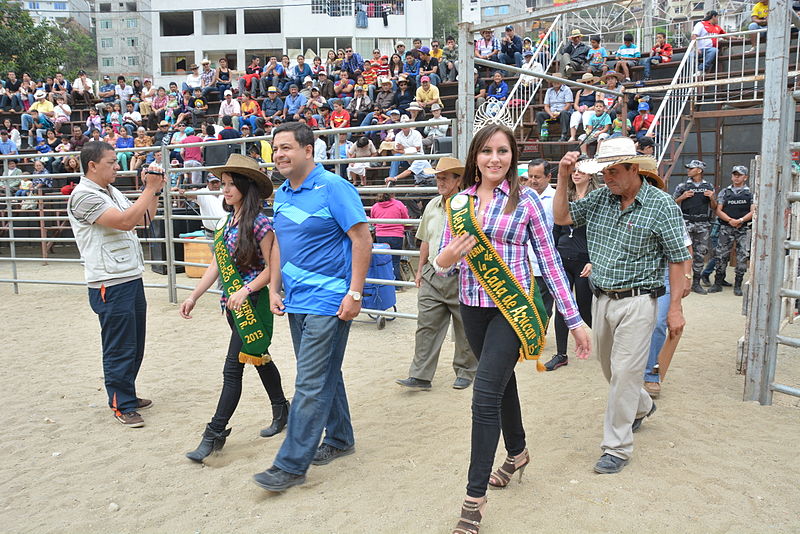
(224, 75)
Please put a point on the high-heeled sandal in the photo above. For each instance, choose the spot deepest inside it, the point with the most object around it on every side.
(502, 477)
(471, 515)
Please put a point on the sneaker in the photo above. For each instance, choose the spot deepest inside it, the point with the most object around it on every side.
(414, 383)
(277, 480)
(609, 464)
(653, 389)
(638, 421)
(462, 383)
(130, 419)
(327, 453)
(558, 360)
(144, 403)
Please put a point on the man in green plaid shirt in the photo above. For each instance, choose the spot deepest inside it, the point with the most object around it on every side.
(633, 230)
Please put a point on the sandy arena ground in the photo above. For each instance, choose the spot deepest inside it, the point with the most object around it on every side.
(706, 462)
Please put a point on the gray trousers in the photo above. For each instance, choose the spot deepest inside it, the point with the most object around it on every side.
(621, 332)
(437, 303)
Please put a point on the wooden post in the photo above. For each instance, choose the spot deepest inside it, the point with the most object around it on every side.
(465, 105)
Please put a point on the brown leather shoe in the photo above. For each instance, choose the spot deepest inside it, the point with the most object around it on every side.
(653, 389)
(130, 419)
(143, 404)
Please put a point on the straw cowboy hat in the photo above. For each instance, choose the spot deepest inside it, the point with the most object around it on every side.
(612, 74)
(446, 165)
(588, 78)
(575, 33)
(622, 150)
(239, 164)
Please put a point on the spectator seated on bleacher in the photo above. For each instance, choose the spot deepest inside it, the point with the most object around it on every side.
(427, 94)
(597, 130)
(487, 47)
(707, 48)
(141, 140)
(192, 156)
(511, 48)
(370, 76)
(408, 141)
(362, 148)
(124, 140)
(7, 146)
(573, 54)
(360, 106)
(498, 89)
(229, 130)
(326, 87)
(123, 92)
(447, 64)
(308, 83)
(340, 117)
(39, 118)
(10, 93)
(294, 104)
(627, 56)
(193, 79)
(197, 108)
(221, 81)
(131, 119)
(344, 88)
(596, 57)
(758, 21)
(106, 93)
(406, 93)
(272, 106)
(353, 63)
(428, 67)
(613, 102)
(643, 120)
(558, 102)
(229, 107)
(146, 96)
(434, 132)
(13, 132)
(583, 106)
(60, 87)
(661, 53)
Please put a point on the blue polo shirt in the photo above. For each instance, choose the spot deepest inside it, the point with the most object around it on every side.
(311, 224)
(8, 147)
(292, 104)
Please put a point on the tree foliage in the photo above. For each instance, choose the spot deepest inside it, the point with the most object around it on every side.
(445, 19)
(42, 49)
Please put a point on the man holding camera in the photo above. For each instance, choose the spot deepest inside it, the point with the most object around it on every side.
(104, 221)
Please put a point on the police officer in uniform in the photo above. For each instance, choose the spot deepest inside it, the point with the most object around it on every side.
(695, 196)
(735, 212)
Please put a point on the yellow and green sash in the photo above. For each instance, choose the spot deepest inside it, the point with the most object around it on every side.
(524, 311)
(253, 323)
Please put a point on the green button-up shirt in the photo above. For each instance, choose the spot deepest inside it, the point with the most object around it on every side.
(629, 248)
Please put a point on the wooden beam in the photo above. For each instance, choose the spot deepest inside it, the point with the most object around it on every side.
(545, 13)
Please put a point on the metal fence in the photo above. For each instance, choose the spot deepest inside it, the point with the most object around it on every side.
(46, 220)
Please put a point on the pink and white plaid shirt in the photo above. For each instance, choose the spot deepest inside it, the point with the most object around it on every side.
(509, 235)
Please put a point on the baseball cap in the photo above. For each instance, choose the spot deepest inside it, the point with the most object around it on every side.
(740, 169)
(39, 139)
(527, 53)
(509, 27)
(360, 88)
(322, 73)
(189, 130)
(106, 77)
(425, 50)
(644, 106)
(39, 94)
(695, 164)
(212, 178)
(394, 112)
(425, 79)
(272, 89)
(227, 92)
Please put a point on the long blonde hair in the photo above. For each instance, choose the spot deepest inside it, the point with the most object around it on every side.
(572, 191)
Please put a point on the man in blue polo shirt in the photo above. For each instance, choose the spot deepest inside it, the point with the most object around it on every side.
(320, 260)
(294, 104)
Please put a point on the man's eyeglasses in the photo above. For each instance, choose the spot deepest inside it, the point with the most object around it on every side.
(348, 51)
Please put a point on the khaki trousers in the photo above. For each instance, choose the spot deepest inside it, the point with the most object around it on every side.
(622, 330)
(437, 302)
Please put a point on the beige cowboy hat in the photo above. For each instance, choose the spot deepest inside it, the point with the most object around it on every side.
(446, 165)
(246, 166)
(612, 74)
(588, 78)
(622, 150)
(575, 33)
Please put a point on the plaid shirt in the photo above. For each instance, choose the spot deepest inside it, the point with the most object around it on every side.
(261, 227)
(629, 248)
(509, 235)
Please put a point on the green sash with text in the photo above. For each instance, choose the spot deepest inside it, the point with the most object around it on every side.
(524, 311)
(253, 323)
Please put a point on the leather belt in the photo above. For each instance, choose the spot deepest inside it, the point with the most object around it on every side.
(618, 294)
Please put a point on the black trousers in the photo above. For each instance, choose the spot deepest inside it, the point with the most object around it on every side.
(495, 401)
(232, 373)
(583, 297)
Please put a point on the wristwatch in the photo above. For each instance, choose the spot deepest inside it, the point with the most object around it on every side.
(688, 276)
(355, 294)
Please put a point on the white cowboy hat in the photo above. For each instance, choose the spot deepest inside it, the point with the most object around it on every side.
(622, 150)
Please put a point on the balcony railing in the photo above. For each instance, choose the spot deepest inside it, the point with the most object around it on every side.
(348, 8)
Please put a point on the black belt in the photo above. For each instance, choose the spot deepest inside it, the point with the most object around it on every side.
(615, 294)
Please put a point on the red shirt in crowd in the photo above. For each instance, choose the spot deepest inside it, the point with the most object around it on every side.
(340, 119)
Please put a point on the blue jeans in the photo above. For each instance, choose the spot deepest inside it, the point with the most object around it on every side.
(13, 102)
(433, 76)
(659, 335)
(707, 56)
(397, 244)
(394, 167)
(508, 59)
(320, 400)
(122, 311)
(647, 63)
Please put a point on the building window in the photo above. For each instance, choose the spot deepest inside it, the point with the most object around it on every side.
(107, 61)
(105, 25)
(176, 62)
(133, 61)
(130, 6)
(131, 23)
(319, 7)
(60, 6)
(105, 8)
(106, 42)
(503, 10)
(34, 5)
(262, 21)
(177, 23)
(488, 11)
(132, 41)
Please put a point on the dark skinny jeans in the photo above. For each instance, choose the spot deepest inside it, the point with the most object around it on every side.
(583, 297)
(495, 402)
(232, 378)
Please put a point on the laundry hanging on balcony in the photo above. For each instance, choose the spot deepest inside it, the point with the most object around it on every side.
(361, 15)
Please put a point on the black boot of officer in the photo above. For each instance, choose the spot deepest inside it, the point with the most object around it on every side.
(697, 288)
(737, 285)
(717, 286)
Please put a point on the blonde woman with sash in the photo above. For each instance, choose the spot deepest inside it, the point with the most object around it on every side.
(242, 241)
(489, 226)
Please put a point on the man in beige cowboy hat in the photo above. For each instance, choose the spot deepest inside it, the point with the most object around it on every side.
(438, 295)
(634, 230)
(573, 54)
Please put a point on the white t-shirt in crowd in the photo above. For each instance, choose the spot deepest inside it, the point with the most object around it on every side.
(210, 206)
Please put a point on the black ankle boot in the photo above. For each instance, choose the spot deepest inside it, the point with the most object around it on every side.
(212, 441)
(717, 287)
(280, 415)
(696, 287)
(737, 285)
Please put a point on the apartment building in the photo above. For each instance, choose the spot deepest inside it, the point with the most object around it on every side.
(58, 12)
(124, 38)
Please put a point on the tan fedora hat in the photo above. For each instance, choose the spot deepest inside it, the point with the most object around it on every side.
(246, 166)
(446, 165)
(622, 150)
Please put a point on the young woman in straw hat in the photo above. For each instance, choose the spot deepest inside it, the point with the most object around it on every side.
(247, 236)
(503, 218)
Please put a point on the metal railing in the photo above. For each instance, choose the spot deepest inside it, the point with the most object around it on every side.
(511, 111)
(51, 208)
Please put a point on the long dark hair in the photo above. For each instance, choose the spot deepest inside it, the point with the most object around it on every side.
(472, 175)
(247, 253)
